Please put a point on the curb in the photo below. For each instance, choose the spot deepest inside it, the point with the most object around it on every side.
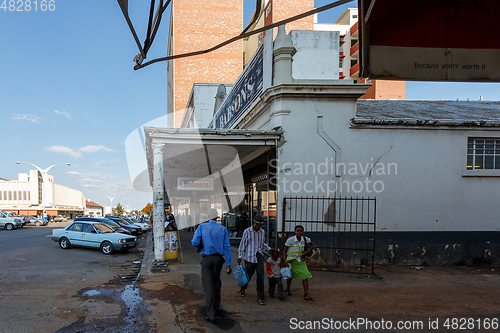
(147, 259)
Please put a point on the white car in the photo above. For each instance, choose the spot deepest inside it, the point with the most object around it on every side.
(144, 226)
(9, 222)
(30, 220)
(93, 234)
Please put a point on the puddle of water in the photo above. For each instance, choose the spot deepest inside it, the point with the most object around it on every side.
(131, 298)
(91, 293)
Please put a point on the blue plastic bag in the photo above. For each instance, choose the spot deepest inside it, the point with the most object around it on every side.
(286, 272)
(240, 275)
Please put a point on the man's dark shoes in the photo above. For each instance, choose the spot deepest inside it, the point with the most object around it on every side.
(209, 320)
(271, 296)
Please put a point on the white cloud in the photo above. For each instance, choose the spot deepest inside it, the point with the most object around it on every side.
(75, 173)
(101, 162)
(63, 113)
(93, 177)
(93, 149)
(101, 176)
(90, 180)
(64, 151)
(28, 117)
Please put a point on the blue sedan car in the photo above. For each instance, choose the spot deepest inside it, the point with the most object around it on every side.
(134, 230)
(94, 235)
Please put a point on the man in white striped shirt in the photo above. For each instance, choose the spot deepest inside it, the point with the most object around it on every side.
(251, 246)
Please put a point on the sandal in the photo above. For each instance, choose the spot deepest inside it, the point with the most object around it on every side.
(242, 292)
(288, 292)
(261, 301)
(308, 298)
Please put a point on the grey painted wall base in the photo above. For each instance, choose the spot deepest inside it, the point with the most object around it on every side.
(411, 247)
(438, 247)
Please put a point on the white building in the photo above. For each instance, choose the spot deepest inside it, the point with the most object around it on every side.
(25, 196)
(403, 183)
(93, 209)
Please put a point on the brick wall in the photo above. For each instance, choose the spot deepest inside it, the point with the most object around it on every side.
(199, 25)
(283, 9)
(384, 89)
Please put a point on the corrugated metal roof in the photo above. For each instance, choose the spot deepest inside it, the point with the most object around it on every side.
(428, 110)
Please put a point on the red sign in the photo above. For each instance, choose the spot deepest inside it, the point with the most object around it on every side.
(431, 40)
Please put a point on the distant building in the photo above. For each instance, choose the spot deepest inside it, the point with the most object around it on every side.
(25, 196)
(196, 26)
(347, 25)
(93, 209)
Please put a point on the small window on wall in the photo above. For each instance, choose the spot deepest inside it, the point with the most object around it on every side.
(483, 154)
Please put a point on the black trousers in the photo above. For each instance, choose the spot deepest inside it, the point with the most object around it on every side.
(273, 282)
(211, 267)
(258, 267)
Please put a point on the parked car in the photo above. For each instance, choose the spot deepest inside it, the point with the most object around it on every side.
(60, 218)
(94, 235)
(9, 222)
(113, 225)
(134, 230)
(144, 226)
(30, 220)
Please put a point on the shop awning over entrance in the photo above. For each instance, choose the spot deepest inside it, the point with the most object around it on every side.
(204, 159)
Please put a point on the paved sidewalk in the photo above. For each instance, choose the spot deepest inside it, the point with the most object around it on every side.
(175, 300)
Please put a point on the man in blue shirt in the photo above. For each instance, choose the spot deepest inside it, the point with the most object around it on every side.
(215, 240)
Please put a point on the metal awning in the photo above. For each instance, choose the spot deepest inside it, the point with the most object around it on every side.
(200, 153)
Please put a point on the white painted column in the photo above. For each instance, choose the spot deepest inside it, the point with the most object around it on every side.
(158, 205)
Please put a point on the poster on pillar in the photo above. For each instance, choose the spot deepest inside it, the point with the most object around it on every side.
(160, 207)
(430, 40)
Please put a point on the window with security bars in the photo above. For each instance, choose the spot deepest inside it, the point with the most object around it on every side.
(483, 154)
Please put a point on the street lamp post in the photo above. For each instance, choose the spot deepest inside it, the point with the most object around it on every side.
(111, 199)
(44, 180)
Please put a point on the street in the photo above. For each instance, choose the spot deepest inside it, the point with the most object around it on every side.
(42, 287)
(46, 289)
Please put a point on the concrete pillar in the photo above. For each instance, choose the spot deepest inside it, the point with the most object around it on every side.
(283, 51)
(158, 205)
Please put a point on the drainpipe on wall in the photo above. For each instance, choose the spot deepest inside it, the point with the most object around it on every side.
(329, 141)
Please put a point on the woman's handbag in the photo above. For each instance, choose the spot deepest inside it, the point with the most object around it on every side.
(286, 272)
(306, 248)
(240, 275)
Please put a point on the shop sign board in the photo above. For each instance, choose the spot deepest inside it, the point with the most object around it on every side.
(246, 90)
(195, 184)
(430, 40)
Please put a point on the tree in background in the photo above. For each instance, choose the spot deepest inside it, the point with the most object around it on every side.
(119, 209)
(148, 210)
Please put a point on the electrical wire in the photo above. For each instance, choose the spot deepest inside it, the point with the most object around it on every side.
(244, 34)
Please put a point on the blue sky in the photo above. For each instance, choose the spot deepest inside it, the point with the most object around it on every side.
(68, 92)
